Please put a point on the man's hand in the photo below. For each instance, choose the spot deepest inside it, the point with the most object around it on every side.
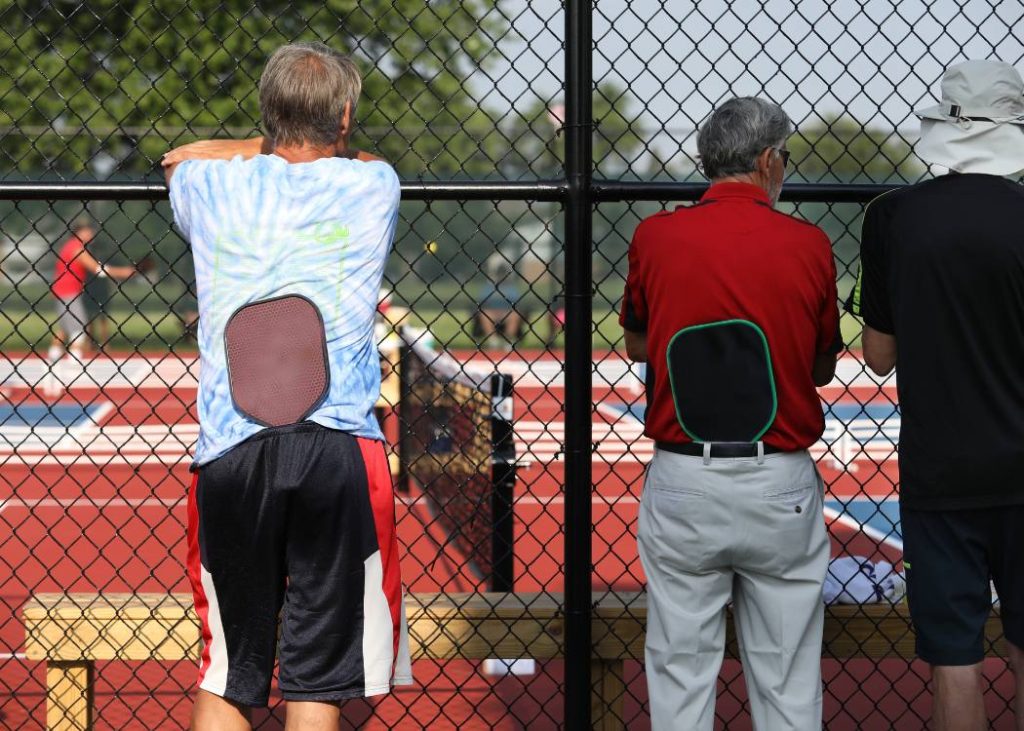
(227, 149)
(824, 369)
(879, 351)
(636, 346)
(211, 150)
(359, 155)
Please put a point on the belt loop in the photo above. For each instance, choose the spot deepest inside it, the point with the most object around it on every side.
(707, 452)
(760, 452)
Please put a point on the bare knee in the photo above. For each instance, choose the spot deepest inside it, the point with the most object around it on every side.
(312, 716)
(957, 676)
(213, 713)
(959, 702)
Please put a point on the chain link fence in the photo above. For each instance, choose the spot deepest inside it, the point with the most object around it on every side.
(481, 331)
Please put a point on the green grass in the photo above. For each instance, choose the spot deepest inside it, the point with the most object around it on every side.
(22, 330)
(144, 331)
(851, 330)
(453, 329)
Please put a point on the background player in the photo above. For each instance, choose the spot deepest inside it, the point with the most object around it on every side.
(74, 265)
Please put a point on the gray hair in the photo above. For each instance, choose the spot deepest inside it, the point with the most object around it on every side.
(737, 132)
(303, 91)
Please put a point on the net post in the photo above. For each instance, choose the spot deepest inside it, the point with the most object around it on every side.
(503, 476)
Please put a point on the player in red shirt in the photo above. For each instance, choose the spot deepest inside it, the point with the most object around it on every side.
(74, 264)
(733, 307)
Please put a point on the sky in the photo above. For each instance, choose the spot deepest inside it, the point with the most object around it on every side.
(877, 60)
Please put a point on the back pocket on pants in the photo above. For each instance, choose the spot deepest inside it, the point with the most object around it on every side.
(672, 527)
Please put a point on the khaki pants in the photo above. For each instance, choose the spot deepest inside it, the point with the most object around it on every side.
(740, 530)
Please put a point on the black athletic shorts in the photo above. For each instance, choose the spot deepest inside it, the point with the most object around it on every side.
(950, 556)
(297, 526)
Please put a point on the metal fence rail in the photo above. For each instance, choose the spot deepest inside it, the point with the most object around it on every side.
(531, 138)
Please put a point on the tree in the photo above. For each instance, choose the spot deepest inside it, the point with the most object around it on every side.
(111, 84)
(841, 149)
(536, 146)
(837, 150)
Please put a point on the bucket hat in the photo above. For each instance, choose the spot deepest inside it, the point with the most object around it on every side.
(978, 126)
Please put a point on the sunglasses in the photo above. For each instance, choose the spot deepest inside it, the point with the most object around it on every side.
(784, 154)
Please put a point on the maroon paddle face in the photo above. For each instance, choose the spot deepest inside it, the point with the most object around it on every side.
(277, 360)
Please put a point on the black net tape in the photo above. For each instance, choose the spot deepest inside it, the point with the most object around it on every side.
(94, 452)
(446, 446)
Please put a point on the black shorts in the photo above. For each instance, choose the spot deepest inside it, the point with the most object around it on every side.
(950, 556)
(297, 523)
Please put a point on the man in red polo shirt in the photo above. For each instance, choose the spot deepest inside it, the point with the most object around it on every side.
(733, 307)
(73, 265)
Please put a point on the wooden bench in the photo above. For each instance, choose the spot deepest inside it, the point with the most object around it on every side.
(70, 632)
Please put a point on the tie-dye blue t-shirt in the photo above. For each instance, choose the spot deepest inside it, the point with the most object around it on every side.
(263, 228)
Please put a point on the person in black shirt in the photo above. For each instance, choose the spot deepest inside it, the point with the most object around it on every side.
(941, 294)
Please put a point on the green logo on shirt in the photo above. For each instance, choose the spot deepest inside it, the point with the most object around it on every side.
(324, 234)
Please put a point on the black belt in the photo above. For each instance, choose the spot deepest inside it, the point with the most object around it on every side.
(718, 449)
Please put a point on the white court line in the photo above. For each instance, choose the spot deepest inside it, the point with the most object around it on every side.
(605, 454)
(101, 413)
(12, 656)
(174, 371)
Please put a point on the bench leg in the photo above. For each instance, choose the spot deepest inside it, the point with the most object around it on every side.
(69, 688)
(607, 692)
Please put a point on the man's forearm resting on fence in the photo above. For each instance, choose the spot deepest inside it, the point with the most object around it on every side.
(213, 150)
(228, 149)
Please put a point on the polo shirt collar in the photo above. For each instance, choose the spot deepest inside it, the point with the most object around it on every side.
(749, 191)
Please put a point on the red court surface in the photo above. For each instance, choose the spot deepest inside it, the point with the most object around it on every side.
(100, 507)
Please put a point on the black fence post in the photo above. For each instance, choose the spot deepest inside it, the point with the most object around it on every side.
(503, 475)
(578, 360)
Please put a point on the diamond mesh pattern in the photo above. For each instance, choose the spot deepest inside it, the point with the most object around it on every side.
(94, 454)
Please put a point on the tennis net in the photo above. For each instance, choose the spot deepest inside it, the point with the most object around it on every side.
(456, 442)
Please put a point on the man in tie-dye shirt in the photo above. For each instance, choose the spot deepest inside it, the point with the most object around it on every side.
(299, 515)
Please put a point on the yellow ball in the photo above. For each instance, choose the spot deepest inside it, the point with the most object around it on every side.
(430, 247)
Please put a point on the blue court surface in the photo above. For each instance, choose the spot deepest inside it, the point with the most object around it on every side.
(865, 423)
(848, 412)
(635, 409)
(65, 416)
(878, 517)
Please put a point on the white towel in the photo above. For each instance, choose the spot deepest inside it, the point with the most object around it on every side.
(857, 580)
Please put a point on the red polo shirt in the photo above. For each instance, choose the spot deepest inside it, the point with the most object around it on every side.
(69, 273)
(732, 256)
